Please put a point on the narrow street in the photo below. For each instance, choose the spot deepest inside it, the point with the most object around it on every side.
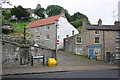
(74, 74)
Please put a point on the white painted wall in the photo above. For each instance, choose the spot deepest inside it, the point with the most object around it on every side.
(119, 11)
(64, 28)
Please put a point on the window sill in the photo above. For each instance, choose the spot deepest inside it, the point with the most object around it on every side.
(47, 39)
(78, 43)
(97, 34)
(97, 43)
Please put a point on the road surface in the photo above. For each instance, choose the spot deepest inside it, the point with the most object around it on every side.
(73, 74)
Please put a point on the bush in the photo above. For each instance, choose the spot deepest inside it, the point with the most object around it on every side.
(6, 29)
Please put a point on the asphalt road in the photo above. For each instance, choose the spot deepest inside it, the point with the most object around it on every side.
(74, 74)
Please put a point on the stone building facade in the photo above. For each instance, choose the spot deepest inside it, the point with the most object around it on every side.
(51, 31)
(96, 40)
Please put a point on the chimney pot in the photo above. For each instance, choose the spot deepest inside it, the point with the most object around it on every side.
(100, 22)
(117, 23)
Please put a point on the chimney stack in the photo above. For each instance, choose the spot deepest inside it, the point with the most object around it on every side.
(100, 22)
(117, 23)
(62, 13)
(84, 22)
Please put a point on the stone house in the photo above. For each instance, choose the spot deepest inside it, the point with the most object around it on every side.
(96, 40)
(51, 31)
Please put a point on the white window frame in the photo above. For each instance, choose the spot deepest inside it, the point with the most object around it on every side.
(95, 40)
(78, 51)
(97, 50)
(47, 38)
(117, 55)
(77, 38)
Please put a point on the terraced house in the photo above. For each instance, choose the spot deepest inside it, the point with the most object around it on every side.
(96, 40)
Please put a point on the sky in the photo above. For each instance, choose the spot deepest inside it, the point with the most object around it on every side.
(107, 10)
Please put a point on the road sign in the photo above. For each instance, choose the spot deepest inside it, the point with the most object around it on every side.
(57, 42)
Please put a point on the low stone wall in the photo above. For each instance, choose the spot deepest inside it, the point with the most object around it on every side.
(12, 54)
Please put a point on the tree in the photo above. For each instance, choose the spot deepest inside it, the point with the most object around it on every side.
(77, 19)
(20, 12)
(53, 10)
(78, 15)
(40, 12)
(78, 23)
(6, 15)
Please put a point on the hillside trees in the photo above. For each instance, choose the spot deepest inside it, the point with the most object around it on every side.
(53, 10)
(20, 13)
(76, 19)
(23, 15)
(40, 12)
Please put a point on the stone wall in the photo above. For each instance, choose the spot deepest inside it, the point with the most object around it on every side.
(9, 55)
(13, 55)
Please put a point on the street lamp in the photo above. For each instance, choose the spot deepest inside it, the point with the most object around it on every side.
(24, 34)
(56, 24)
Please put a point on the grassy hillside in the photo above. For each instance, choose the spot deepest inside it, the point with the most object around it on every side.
(18, 28)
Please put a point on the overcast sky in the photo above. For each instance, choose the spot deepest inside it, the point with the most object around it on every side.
(93, 9)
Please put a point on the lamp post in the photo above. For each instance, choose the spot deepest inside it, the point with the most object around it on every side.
(56, 24)
(24, 35)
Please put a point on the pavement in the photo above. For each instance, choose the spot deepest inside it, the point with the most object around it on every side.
(66, 62)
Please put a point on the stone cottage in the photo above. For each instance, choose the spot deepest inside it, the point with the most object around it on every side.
(96, 40)
(51, 31)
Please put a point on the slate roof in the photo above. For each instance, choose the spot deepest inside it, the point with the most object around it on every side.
(41, 22)
(103, 27)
